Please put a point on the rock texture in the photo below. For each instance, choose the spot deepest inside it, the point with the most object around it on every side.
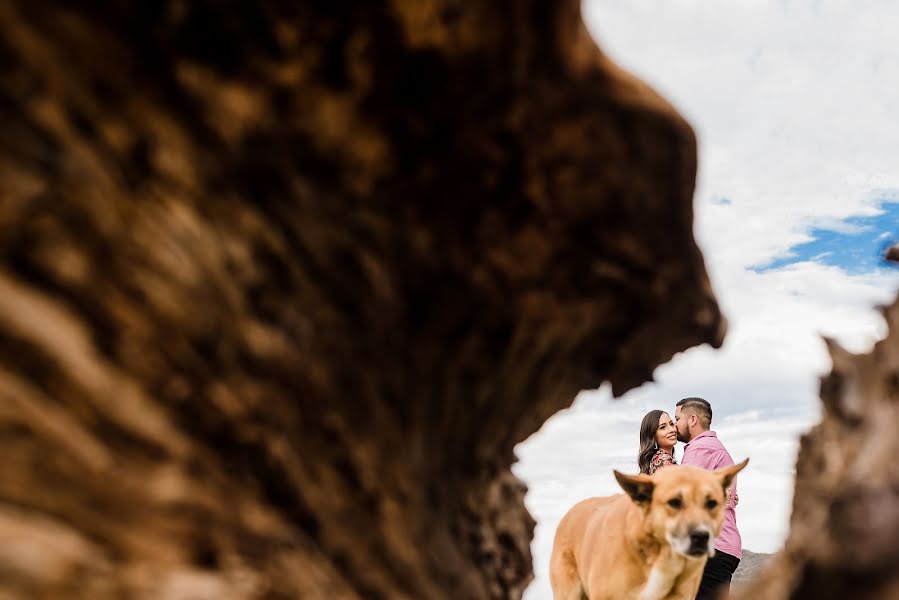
(283, 284)
(845, 522)
(751, 566)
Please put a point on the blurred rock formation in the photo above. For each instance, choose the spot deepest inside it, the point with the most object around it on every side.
(283, 284)
(845, 522)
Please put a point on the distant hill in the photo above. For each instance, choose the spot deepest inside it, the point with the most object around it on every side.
(750, 566)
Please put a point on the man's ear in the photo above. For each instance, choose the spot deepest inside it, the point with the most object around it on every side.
(727, 474)
(638, 487)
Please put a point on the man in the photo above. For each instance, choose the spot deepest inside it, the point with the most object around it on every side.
(693, 419)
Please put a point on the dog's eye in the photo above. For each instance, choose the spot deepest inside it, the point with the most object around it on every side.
(710, 504)
(675, 503)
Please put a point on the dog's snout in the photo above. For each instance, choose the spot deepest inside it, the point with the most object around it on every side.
(699, 539)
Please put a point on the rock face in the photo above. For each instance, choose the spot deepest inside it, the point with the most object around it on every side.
(283, 284)
(751, 566)
(845, 522)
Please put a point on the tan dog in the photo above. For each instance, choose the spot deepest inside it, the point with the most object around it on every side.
(650, 544)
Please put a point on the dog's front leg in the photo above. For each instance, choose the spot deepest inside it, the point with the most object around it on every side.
(685, 587)
(657, 586)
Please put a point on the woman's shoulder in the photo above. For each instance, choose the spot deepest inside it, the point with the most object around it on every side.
(662, 454)
(661, 458)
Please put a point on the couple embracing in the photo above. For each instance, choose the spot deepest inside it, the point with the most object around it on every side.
(692, 425)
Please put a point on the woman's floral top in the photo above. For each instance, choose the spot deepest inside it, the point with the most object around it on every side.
(660, 459)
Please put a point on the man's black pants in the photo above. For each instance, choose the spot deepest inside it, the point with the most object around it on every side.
(715, 582)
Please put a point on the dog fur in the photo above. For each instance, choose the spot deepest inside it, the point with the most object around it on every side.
(641, 545)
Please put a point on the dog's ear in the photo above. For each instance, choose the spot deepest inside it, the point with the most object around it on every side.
(638, 487)
(727, 474)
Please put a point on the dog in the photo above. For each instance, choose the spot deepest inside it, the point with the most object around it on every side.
(651, 543)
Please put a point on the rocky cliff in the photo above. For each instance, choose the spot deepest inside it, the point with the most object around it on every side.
(283, 284)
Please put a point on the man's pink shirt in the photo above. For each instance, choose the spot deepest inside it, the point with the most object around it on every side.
(706, 451)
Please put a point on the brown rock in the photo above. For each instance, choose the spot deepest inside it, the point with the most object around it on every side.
(283, 284)
(892, 253)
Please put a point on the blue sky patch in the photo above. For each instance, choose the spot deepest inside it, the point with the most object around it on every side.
(856, 244)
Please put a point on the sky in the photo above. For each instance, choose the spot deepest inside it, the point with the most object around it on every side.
(796, 109)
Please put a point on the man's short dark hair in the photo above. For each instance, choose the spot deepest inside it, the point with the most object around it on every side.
(699, 407)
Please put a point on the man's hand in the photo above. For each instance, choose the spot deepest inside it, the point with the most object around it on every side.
(732, 498)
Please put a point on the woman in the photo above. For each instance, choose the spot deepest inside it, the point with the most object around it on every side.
(657, 439)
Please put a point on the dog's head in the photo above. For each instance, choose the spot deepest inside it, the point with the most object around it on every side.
(683, 504)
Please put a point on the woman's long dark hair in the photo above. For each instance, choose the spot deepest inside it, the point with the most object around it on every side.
(648, 445)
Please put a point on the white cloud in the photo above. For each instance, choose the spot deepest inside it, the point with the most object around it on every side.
(796, 105)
